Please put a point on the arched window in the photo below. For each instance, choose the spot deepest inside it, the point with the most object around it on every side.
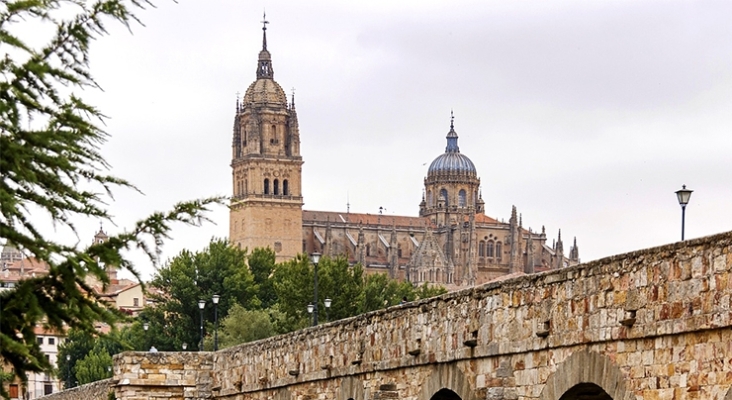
(499, 253)
(489, 249)
(481, 249)
(462, 201)
(276, 186)
(274, 135)
(285, 187)
(430, 203)
(246, 186)
(266, 186)
(368, 250)
(443, 194)
(399, 250)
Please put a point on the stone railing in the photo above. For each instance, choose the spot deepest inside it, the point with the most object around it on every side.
(99, 390)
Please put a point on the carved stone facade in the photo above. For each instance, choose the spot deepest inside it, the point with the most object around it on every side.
(452, 242)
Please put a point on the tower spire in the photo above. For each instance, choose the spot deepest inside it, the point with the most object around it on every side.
(264, 30)
(264, 66)
(452, 137)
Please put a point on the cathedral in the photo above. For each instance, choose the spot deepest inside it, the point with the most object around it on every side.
(451, 243)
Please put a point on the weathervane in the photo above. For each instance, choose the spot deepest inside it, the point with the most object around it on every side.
(264, 21)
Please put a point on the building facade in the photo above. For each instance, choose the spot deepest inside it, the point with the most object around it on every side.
(451, 242)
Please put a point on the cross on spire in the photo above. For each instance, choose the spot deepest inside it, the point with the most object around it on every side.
(264, 30)
(452, 120)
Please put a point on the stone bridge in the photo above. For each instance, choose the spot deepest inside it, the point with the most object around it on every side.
(652, 324)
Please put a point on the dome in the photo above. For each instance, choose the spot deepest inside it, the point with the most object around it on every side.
(265, 91)
(452, 161)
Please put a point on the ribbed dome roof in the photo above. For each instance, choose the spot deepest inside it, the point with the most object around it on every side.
(452, 162)
(265, 91)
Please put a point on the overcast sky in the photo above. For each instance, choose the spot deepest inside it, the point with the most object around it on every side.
(587, 116)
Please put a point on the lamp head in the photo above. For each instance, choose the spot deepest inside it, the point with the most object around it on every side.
(201, 304)
(145, 326)
(216, 298)
(327, 302)
(311, 307)
(315, 258)
(184, 346)
(683, 195)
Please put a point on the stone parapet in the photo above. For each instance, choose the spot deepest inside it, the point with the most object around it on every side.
(99, 390)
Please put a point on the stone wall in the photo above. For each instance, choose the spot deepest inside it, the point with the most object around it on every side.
(653, 324)
(98, 390)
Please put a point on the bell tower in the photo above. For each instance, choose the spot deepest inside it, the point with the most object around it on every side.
(266, 205)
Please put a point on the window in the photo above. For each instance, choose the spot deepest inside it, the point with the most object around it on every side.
(285, 188)
(40, 340)
(368, 249)
(47, 389)
(481, 249)
(14, 391)
(443, 195)
(499, 253)
(51, 340)
(266, 186)
(489, 249)
(429, 199)
(135, 302)
(462, 201)
(276, 186)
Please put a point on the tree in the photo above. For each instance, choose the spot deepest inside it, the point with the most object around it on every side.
(189, 277)
(242, 326)
(51, 169)
(293, 283)
(80, 343)
(97, 365)
(262, 263)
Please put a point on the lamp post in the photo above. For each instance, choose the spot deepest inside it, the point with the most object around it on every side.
(683, 195)
(327, 303)
(216, 298)
(145, 327)
(315, 257)
(201, 306)
(68, 371)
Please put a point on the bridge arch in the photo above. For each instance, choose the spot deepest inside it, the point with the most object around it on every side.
(446, 382)
(585, 372)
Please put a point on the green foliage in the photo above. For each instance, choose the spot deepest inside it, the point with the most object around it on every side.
(79, 344)
(51, 170)
(95, 366)
(293, 283)
(189, 277)
(262, 264)
(242, 326)
(426, 291)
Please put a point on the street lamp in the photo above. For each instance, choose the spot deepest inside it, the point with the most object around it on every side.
(68, 371)
(683, 195)
(145, 327)
(184, 346)
(201, 306)
(327, 303)
(315, 257)
(310, 310)
(216, 321)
